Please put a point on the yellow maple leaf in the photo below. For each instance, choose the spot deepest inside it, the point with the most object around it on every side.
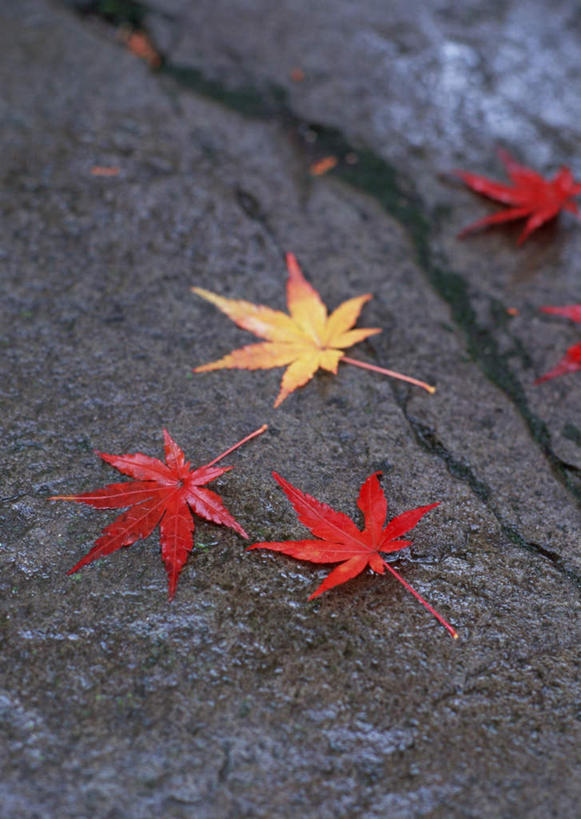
(306, 339)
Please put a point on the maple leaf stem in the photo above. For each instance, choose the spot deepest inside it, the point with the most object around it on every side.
(256, 432)
(433, 611)
(393, 374)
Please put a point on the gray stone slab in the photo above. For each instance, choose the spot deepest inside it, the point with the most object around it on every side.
(240, 698)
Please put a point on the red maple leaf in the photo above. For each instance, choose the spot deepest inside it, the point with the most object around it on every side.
(342, 542)
(529, 196)
(571, 361)
(161, 493)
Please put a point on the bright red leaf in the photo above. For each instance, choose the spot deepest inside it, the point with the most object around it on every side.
(571, 361)
(342, 542)
(528, 196)
(165, 493)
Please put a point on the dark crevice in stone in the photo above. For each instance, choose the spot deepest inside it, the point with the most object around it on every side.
(502, 320)
(572, 433)
(246, 100)
(375, 177)
(116, 12)
(14, 498)
(427, 438)
(253, 210)
(562, 565)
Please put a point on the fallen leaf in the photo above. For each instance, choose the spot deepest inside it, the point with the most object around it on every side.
(306, 339)
(323, 166)
(512, 311)
(571, 311)
(103, 170)
(340, 541)
(529, 196)
(140, 44)
(297, 75)
(161, 493)
(571, 361)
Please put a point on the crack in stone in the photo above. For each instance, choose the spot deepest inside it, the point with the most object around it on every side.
(253, 210)
(427, 439)
(115, 12)
(13, 498)
(573, 433)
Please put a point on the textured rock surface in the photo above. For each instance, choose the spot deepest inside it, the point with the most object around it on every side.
(241, 698)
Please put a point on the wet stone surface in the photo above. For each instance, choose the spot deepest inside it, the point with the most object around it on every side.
(241, 698)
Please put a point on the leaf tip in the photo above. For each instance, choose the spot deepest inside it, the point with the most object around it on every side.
(172, 582)
(281, 396)
(294, 270)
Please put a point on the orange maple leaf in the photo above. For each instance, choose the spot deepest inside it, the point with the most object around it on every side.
(105, 170)
(323, 166)
(140, 44)
(306, 339)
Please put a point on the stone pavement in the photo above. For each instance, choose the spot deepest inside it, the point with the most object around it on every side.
(241, 698)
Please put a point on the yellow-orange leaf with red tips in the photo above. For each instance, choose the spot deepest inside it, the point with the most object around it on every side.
(306, 339)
